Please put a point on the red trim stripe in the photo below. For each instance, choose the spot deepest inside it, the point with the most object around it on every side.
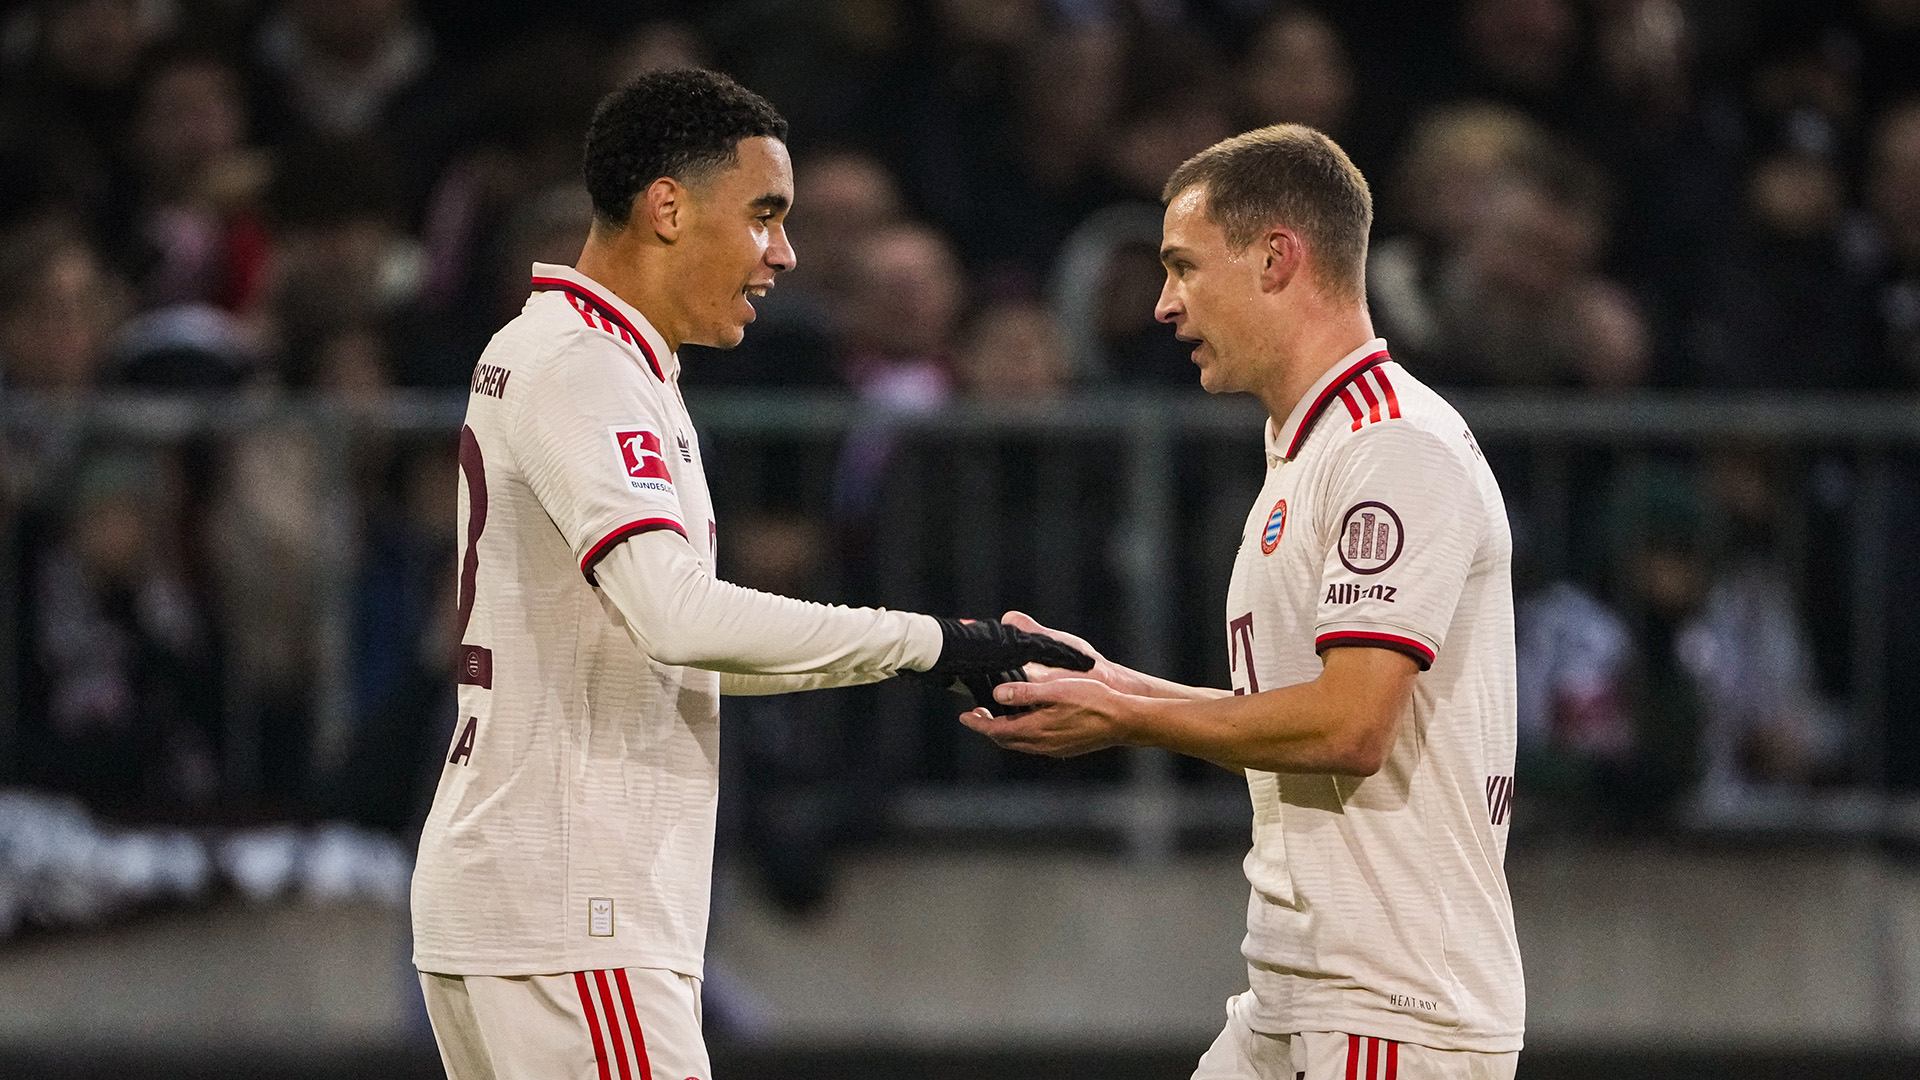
(633, 1024)
(1353, 407)
(1326, 397)
(1393, 1061)
(1363, 637)
(631, 528)
(593, 1024)
(1373, 1059)
(613, 1025)
(1373, 403)
(606, 311)
(1353, 1057)
(1393, 399)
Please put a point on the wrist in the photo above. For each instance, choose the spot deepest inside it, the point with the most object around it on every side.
(1133, 718)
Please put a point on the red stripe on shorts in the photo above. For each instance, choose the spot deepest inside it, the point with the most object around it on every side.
(633, 1024)
(1353, 1057)
(593, 1024)
(613, 1025)
(1393, 1061)
(1373, 1059)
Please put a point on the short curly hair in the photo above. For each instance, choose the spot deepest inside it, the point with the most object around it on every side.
(681, 124)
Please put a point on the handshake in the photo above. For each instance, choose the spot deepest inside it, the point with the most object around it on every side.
(1066, 699)
(980, 654)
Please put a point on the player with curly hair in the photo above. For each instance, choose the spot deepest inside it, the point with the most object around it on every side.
(561, 894)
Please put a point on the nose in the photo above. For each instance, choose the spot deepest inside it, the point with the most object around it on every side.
(780, 253)
(1168, 308)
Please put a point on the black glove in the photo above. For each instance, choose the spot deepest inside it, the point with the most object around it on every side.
(981, 688)
(987, 646)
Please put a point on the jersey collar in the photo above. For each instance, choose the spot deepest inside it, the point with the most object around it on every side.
(600, 301)
(1285, 441)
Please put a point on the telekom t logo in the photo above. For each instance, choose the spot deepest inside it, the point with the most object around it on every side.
(640, 450)
(1240, 647)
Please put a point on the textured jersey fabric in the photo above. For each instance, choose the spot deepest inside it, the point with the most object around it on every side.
(1379, 904)
(572, 829)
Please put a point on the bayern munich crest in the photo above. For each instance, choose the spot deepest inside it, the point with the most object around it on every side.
(1276, 525)
(1370, 538)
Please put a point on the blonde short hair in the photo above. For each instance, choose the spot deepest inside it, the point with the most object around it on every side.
(1291, 175)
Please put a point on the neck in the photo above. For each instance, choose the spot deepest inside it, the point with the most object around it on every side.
(634, 268)
(1319, 340)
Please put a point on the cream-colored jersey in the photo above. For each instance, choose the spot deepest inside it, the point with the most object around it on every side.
(1379, 905)
(572, 829)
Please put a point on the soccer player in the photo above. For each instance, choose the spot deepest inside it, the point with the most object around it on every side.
(1370, 640)
(560, 898)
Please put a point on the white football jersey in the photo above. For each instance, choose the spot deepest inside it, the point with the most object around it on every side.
(1379, 905)
(573, 826)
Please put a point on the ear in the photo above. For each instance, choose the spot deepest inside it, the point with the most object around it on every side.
(663, 207)
(1282, 257)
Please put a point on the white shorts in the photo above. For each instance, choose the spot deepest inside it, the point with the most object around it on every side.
(622, 1024)
(1241, 1053)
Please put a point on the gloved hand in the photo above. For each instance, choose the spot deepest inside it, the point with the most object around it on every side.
(972, 647)
(981, 688)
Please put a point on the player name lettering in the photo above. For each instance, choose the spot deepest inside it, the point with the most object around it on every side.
(1345, 592)
(1402, 1001)
(490, 380)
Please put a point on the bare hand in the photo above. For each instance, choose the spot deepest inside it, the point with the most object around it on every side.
(1124, 679)
(1072, 715)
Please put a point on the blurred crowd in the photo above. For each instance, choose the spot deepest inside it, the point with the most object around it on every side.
(342, 197)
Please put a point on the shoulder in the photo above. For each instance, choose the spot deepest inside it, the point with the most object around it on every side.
(571, 358)
(1387, 413)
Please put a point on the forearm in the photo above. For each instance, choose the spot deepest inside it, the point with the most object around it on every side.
(1302, 728)
(736, 685)
(1154, 686)
(680, 614)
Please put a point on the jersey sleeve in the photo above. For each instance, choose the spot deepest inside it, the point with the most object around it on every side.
(592, 440)
(680, 614)
(1405, 524)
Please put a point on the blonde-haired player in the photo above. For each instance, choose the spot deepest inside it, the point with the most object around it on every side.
(1370, 639)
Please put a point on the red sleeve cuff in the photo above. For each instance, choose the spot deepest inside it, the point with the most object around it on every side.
(631, 528)
(1420, 653)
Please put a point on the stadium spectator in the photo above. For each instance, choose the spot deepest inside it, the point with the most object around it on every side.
(1528, 54)
(1012, 351)
(342, 264)
(1454, 162)
(85, 56)
(897, 324)
(59, 310)
(123, 706)
(1893, 194)
(1782, 306)
(1522, 303)
(1297, 71)
(896, 333)
(198, 220)
(338, 69)
(1747, 649)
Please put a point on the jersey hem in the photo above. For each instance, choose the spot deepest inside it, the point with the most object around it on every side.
(1394, 1026)
(440, 965)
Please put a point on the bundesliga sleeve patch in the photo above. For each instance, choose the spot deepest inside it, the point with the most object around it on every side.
(641, 455)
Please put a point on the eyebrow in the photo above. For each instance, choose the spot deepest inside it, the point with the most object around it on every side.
(771, 201)
(1168, 253)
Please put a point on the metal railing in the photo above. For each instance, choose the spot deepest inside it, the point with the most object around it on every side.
(1115, 514)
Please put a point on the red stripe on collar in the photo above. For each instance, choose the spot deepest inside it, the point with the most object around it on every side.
(601, 307)
(1327, 395)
